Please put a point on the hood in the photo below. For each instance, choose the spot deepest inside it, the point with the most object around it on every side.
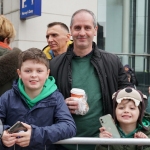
(8, 65)
(48, 88)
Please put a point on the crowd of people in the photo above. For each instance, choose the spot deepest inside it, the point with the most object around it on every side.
(35, 89)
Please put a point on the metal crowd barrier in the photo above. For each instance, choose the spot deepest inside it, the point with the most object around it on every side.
(105, 141)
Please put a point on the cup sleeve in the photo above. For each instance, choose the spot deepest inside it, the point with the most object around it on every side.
(83, 106)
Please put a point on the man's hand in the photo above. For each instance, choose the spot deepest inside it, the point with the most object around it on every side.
(72, 105)
(104, 133)
(23, 138)
(7, 139)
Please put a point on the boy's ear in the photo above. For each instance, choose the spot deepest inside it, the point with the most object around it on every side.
(48, 72)
(19, 73)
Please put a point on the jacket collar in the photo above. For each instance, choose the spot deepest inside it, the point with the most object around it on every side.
(3, 45)
(71, 54)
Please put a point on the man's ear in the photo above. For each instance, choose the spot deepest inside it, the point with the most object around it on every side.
(96, 28)
(68, 37)
(19, 73)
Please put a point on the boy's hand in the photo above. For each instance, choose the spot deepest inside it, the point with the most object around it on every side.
(140, 135)
(104, 133)
(72, 105)
(23, 138)
(7, 139)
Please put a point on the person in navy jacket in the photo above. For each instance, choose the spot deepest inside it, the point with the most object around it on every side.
(35, 101)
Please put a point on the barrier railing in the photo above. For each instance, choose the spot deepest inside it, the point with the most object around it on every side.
(105, 141)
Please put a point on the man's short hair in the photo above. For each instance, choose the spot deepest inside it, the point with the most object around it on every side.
(84, 10)
(33, 54)
(58, 23)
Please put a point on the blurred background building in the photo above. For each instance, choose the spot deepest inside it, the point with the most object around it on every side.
(124, 28)
(125, 31)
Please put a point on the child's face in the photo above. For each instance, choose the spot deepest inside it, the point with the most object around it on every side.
(127, 112)
(33, 75)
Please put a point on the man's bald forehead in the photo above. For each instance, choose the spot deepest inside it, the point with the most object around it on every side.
(86, 11)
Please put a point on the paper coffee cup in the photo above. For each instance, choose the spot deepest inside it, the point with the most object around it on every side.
(78, 93)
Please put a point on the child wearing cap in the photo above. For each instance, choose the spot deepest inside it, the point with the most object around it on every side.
(129, 117)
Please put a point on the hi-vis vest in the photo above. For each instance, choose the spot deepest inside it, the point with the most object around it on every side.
(46, 50)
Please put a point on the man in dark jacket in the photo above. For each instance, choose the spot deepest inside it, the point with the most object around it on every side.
(86, 67)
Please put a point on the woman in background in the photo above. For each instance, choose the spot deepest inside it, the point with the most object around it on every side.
(8, 56)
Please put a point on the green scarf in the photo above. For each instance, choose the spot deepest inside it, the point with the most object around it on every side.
(131, 134)
(48, 88)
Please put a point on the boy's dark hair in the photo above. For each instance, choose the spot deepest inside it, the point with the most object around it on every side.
(58, 23)
(33, 54)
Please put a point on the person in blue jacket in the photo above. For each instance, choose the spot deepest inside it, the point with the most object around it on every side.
(35, 101)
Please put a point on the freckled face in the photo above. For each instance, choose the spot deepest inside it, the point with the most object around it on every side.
(33, 75)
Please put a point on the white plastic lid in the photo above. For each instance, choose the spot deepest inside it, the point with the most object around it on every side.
(77, 91)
